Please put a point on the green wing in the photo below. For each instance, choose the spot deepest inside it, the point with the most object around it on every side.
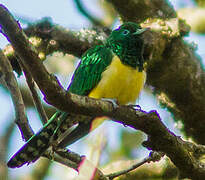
(89, 71)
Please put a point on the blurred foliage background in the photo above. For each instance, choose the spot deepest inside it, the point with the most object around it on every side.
(112, 146)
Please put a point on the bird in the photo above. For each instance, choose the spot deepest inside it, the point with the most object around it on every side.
(114, 70)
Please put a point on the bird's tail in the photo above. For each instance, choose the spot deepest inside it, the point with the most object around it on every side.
(57, 125)
(37, 144)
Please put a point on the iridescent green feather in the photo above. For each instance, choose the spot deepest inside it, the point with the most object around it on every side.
(89, 71)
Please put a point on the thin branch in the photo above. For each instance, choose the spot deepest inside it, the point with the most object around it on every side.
(71, 160)
(67, 154)
(29, 103)
(35, 96)
(153, 157)
(10, 81)
(96, 22)
(85, 13)
(50, 154)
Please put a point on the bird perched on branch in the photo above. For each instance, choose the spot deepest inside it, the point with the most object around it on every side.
(114, 70)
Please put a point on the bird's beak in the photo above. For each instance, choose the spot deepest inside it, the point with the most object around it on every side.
(140, 31)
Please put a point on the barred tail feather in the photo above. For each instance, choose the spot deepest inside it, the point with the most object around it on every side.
(36, 145)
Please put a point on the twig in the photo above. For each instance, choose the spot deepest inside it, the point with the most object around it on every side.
(35, 96)
(85, 13)
(67, 154)
(10, 81)
(153, 156)
(72, 160)
(96, 22)
(58, 158)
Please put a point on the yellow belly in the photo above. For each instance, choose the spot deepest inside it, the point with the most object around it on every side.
(119, 82)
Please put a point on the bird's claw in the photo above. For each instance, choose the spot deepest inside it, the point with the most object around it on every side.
(113, 101)
(135, 106)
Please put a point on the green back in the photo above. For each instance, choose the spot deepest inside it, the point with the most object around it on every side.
(88, 73)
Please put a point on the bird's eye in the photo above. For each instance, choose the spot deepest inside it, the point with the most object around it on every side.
(125, 32)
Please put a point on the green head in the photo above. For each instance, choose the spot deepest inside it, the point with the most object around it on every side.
(127, 43)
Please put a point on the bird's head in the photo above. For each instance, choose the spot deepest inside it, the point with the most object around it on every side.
(127, 42)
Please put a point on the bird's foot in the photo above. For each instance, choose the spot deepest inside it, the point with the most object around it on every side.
(113, 101)
(134, 106)
(50, 152)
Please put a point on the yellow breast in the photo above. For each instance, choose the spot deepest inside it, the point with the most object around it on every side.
(119, 82)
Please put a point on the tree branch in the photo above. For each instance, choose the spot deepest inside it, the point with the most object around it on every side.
(138, 11)
(83, 11)
(160, 138)
(35, 97)
(153, 156)
(11, 83)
